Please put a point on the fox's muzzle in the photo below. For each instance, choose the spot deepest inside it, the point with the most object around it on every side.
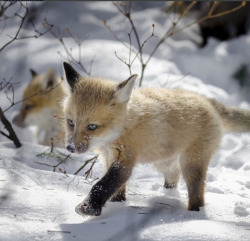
(18, 120)
(77, 148)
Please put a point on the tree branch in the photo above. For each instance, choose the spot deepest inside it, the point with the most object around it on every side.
(12, 135)
(23, 18)
(59, 36)
(125, 9)
(18, 30)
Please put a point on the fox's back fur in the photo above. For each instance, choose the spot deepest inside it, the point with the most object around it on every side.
(169, 122)
(177, 130)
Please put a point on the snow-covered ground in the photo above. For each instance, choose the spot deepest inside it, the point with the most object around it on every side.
(37, 203)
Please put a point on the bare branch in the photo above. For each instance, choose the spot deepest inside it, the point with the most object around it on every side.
(87, 173)
(12, 135)
(139, 54)
(5, 83)
(86, 163)
(70, 57)
(11, 100)
(243, 4)
(213, 8)
(125, 9)
(114, 35)
(18, 30)
(172, 31)
(23, 18)
(4, 7)
(122, 60)
(54, 154)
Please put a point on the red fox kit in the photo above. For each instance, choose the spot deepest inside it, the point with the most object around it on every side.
(41, 104)
(177, 130)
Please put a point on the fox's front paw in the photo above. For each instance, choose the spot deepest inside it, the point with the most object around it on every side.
(86, 208)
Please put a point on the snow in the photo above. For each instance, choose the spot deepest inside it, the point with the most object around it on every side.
(37, 203)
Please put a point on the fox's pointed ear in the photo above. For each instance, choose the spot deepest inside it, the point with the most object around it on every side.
(124, 90)
(49, 80)
(71, 74)
(33, 73)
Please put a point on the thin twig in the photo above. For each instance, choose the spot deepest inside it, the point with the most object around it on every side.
(61, 162)
(139, 53)
(60, 37)
(18, 30)
(20, 27)
(5, 84)
(53, 166)
(87, 173)
(213, 8)
(210, 17)
(115, 36)
(86, 163)
(13, 94)
(58, 231)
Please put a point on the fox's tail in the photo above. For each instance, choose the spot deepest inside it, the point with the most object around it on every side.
(234, 119)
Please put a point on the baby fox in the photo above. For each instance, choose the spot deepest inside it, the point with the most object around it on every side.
(176, 130)
(41, 104)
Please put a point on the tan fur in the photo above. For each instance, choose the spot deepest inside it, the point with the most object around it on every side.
(177, 130)
(41, 106)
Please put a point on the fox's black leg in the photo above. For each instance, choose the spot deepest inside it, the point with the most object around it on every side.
(116, 176)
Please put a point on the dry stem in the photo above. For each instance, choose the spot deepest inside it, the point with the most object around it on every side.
(23, 18)
(70, 57)
(126, 11)
(85, 164)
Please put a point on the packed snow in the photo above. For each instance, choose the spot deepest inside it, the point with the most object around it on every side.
(38, 197)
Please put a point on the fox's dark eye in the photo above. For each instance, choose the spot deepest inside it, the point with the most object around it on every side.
(28, 107)
(92, 127)
(71, 123)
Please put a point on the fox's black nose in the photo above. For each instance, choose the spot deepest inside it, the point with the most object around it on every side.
(71, 148)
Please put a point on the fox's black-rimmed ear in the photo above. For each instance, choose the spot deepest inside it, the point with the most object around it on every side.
(71, 74)
(124, 90)
(33, 73)
(49, 79)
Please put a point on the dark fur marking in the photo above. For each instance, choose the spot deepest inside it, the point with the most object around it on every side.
(72, 75)
(122, 84)
(50, 83)
(103, 190)
(33, 73)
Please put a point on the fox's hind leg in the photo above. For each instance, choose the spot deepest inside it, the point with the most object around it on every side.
(120, 195)
(171, 171)
(172, 176)
(194, 174)
(194, 164)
